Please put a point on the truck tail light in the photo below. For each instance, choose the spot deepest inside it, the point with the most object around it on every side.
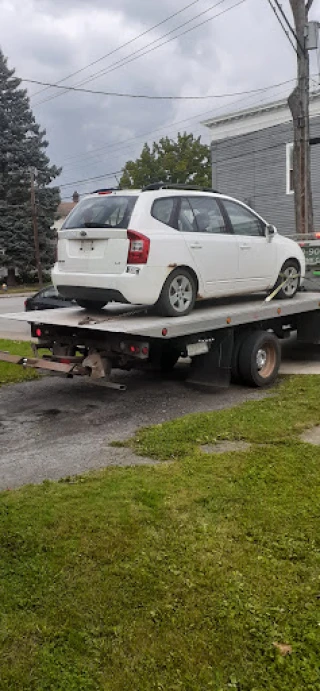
(139, 248)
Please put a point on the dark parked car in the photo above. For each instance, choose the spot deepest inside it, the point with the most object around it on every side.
(47, 299)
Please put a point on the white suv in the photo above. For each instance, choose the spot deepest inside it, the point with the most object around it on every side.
(170, 246)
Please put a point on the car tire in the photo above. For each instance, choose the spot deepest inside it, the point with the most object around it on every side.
(178, 294)
(91, 304)
(290, 268)
(259, 359)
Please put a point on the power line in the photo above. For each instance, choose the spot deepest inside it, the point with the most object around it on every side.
(122, 144)
(134, 57)
(290, 27)
(153, 97)
(283, 26)
(123, 45)
(146, 134)
(250, 153)
(222, 160)
(119, 63)
(98, 177)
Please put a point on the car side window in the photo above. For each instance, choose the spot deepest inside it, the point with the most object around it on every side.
(50, 292)
(162, 210)
(186, 219)
(207, 214)
(242, 220)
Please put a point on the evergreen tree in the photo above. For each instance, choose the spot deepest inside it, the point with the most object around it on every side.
(184, 161)
(22, 147)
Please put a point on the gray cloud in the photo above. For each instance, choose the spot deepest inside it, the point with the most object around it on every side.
(49, 39)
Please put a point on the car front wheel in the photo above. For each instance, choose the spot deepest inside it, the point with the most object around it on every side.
(178, 294)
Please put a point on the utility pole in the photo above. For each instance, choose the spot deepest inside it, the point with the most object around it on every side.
(35, 227)
(299, 106)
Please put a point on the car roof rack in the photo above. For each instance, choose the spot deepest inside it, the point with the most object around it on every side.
(172, 186)
(106, 190)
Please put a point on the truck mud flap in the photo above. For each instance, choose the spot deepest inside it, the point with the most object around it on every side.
(213, 370)
(308, 327)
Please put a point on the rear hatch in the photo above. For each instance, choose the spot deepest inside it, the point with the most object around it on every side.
(94, 237)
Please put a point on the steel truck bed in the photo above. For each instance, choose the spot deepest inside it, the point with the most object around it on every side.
(236, 337)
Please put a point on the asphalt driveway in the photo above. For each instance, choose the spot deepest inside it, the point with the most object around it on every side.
(53, 427)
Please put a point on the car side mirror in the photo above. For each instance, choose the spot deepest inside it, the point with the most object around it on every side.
(270, 232)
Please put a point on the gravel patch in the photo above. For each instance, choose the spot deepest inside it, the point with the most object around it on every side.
(226, 447)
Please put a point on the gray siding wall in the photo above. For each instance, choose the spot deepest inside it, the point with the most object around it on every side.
(252, 168)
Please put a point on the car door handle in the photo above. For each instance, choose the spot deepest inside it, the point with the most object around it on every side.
(245, 247)
(197, 246)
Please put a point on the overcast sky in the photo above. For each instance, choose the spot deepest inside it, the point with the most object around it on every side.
(91, 136)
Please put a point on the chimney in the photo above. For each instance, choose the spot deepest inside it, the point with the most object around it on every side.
(75, 197)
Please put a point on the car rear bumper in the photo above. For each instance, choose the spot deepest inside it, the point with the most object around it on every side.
(141, 288)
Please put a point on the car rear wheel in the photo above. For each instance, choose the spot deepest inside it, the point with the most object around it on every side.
(290, 272)
(91, 304)
(178, 294)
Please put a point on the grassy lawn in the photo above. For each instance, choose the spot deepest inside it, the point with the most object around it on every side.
(22, 289)
(11, 374)
(179, 576)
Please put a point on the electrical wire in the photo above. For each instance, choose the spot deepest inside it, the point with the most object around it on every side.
(291, 29)
(98, 177)
(157, 98)
(283, 27)
(122, 144)
(123, 45)
(119, 63)
(251, 153)
(134, 57)
(222, 146)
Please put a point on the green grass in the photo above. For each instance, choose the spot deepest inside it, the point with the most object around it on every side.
(179, 576)
(12, 374)
(34, 288)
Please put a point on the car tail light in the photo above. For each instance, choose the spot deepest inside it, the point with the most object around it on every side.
(25, 303)
(317, 236)
(138, 249)
(38, 333)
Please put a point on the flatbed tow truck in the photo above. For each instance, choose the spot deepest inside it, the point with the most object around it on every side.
(225, 340)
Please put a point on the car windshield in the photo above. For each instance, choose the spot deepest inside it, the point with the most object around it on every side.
(101, 212)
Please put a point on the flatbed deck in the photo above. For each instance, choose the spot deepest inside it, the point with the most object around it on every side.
(207, 316)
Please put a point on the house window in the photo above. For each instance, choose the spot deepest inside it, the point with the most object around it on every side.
(289, 169)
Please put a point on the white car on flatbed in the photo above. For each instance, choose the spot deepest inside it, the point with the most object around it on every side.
(170, 246)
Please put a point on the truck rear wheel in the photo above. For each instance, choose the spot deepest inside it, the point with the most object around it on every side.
(259, 359)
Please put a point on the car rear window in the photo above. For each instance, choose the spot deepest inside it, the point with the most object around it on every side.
(102, 212)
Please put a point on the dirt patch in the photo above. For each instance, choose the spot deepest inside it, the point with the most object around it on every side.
(226, 447)
(312, 436)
